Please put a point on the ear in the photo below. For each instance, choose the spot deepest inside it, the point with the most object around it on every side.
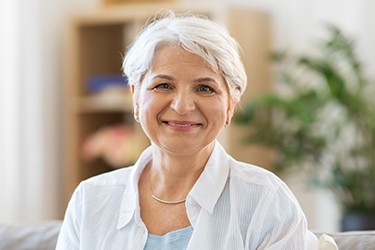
(134, 92)
(230, 111)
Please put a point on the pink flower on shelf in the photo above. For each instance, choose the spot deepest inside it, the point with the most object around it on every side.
(115, 144)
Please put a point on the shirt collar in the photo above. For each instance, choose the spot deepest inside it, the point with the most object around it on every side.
(130, 201)
(211, 182)
(205, 192)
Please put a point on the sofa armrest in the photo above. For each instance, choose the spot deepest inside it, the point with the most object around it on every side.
(29, 236)
(359, 240)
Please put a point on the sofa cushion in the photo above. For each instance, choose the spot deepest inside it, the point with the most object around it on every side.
(358, 240)
(29, 236)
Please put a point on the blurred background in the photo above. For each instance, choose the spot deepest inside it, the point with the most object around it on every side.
(39, 62)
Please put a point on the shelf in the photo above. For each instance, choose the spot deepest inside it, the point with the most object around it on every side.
(139, 12)
(93, 104)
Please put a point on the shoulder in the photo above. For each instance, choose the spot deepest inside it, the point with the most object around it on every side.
(110, 183)
(103, 192)
(253, 182)
(254, 175)
(264, 191)
(116, 177)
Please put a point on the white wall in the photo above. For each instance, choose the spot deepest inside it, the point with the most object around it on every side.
(8, 103)
(31, 73)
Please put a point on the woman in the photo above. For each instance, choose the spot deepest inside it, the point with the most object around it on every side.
(185, 191)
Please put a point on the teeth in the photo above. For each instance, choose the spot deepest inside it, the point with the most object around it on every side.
(179, 124)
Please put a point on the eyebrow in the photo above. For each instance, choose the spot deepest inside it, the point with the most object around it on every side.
(166, 77)
(199, 80)
(206, 79)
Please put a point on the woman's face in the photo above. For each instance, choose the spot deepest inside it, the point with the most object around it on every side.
(182, 104)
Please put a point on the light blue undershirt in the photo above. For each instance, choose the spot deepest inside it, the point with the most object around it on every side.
(176, 240)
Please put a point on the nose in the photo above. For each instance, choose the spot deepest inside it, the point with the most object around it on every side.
(183, 103)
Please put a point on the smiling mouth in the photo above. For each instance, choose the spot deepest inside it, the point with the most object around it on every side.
(182, 124)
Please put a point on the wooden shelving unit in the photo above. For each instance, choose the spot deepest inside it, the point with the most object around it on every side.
(95, 46)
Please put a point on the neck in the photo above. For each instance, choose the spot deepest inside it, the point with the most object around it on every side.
(173, 176)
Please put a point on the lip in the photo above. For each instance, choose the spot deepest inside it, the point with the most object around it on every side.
(182, 125)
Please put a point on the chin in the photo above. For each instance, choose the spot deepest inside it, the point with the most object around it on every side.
(184, 147)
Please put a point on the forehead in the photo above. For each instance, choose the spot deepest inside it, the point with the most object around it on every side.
(174, 59)
(167, 54)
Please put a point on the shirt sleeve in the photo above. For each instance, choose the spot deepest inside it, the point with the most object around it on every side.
(285, 225)
(70, 230)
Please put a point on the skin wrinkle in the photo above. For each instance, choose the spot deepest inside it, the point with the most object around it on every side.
(144, 87)
(195, 105)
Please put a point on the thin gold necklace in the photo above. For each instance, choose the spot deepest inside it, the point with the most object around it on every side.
(159, 199)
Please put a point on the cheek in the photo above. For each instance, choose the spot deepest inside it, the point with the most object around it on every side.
(148, 105)
(215, 111)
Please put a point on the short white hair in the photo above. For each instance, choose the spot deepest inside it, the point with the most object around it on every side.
(195, 34)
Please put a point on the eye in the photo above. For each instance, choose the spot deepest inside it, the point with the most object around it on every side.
(204, 89)
(162, 86)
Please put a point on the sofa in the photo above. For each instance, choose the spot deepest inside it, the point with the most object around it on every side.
(43, 236)
(29, 236)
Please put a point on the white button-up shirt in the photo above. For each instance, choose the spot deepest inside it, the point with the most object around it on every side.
(233, 205)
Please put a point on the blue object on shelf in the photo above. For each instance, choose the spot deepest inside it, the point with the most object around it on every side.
(100, 82)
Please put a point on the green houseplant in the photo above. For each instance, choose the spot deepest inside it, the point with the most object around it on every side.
(321, 122)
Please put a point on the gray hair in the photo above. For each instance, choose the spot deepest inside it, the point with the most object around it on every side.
(195, 34)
